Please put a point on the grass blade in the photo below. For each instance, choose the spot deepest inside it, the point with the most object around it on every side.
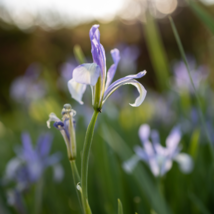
(120, 207)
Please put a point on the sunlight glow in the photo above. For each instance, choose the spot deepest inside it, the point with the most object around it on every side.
(166, 6)
(69, 12)
(53, 14)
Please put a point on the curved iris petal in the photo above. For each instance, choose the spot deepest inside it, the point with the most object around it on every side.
(76, 90)
(52, 117)
(115, 53)
(142, 91)
(123, 80)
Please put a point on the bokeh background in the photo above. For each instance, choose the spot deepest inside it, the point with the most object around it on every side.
(37, 39)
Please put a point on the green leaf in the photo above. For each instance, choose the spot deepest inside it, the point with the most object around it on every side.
(194, 143)
(120, 207)
(203, 15)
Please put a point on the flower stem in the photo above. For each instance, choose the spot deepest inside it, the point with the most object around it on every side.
(76, 179)
(85, 160)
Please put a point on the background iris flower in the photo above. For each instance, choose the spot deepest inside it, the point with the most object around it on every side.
(30, 163)
(159, 158)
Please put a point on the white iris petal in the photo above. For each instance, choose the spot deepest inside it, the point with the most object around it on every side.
(142, 91)
(76, 90)
(52, 118)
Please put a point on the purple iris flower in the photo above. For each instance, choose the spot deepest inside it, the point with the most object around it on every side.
(30, 163)
(28, 87)
(159, 158)
(95, 75)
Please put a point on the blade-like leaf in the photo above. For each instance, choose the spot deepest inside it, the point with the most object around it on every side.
(120, 207)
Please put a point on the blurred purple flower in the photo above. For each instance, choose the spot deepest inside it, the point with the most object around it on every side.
(129, 56)
(30, 163)
(28, 87)
(181, 77)
(159, 158)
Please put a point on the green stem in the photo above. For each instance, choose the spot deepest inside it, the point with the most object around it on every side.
(85, 160)
(76, 179)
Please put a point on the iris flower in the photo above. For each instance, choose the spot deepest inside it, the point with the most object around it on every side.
(159, 158)
(67, 128)
(30, 163)
(95, 75)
